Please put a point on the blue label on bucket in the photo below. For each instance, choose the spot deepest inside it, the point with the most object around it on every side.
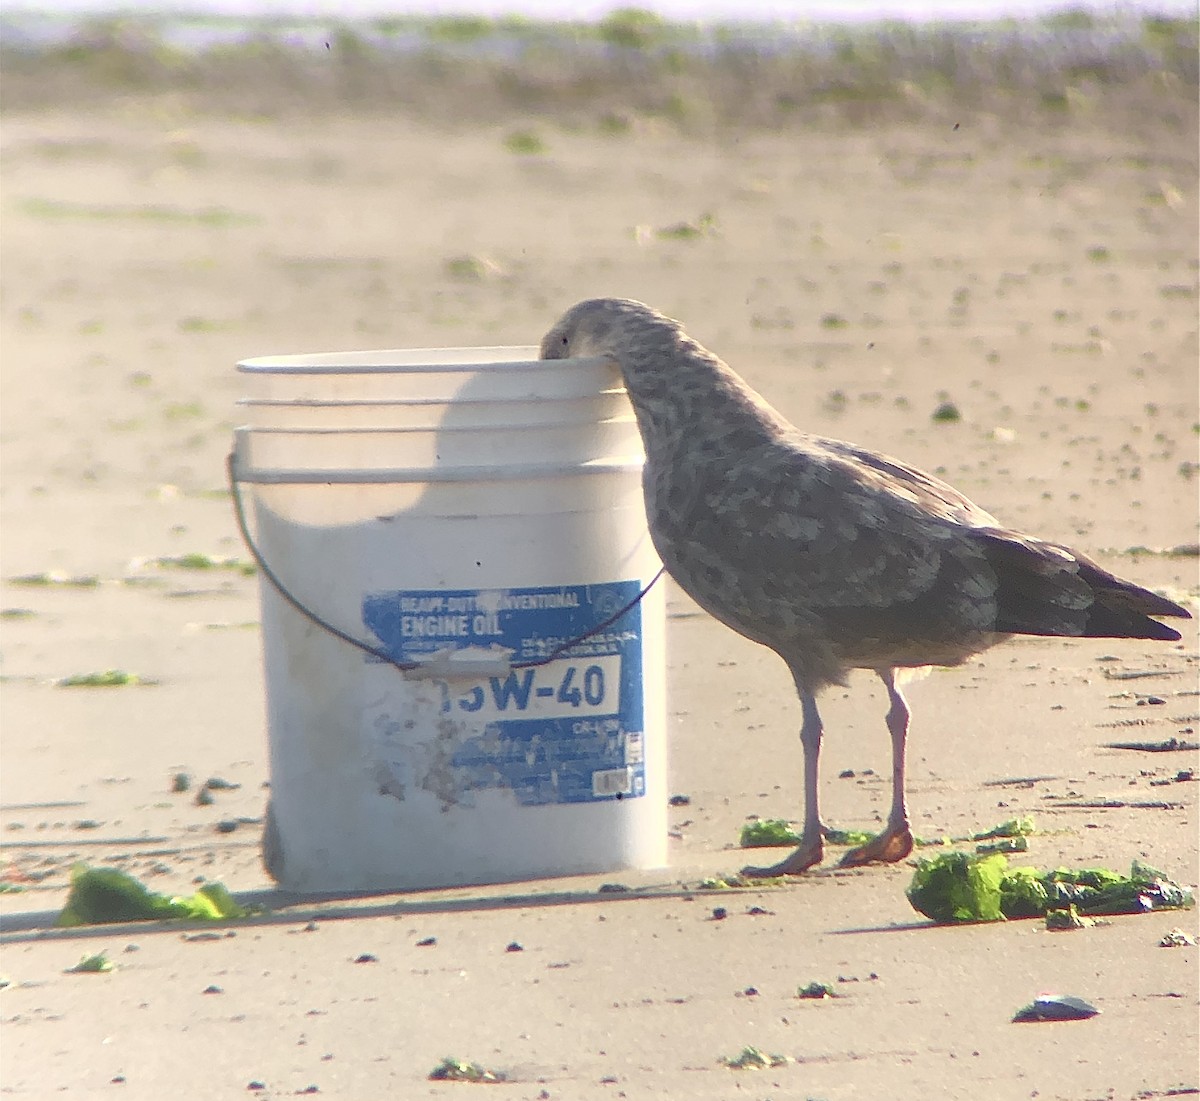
(566, 731)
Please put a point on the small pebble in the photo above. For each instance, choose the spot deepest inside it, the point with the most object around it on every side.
(515, 946)
(1177, 938)
(427, 942)
(366, 957)
(212, 989)
(719, 913)
(1054, 1007)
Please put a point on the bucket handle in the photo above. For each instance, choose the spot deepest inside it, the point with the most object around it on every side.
(405, 667)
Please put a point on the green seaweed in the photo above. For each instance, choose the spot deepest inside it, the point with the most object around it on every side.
(1101, 891)
(1067, 920)
(460, 28)
(107, 678)
(92, 965)
(198, 561)
(848, 837)
(99, 896)
(54, 577)
(767, 832)
(1004, 845)
(932, 842)
(738, 882)
(206, 216)
(1014, 827)
(1023, 894)
(947, 413)
(460, 1070)
(704, 226)
(524, 143)
(753, 1058)
(632, 28)
(960, 887)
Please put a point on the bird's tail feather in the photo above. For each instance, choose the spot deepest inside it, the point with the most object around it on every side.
(1045, 589)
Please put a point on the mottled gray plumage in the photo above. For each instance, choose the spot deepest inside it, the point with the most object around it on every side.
(834, 556)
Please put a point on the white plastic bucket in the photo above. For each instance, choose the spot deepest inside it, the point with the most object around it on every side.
(346, 415)
(471, 529)
(428, 375)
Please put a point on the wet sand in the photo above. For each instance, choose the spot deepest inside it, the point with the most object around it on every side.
(1041, 280)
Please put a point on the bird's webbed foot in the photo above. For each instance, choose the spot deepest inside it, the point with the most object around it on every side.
(809, 853)
(889, 847)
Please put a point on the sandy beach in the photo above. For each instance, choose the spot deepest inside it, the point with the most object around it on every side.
(1040, 277)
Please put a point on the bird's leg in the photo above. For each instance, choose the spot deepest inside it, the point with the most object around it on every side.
(896, 841)
(811, 848)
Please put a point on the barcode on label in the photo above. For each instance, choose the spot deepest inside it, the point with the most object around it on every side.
(611, 781)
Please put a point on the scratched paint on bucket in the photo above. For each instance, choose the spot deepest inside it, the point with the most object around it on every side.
(568, 731)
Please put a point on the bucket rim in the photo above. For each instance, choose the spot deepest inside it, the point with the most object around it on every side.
(352, 403)
(416, 361)
(424, 475)
(621, 419)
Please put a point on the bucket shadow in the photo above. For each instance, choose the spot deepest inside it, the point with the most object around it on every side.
(288, 908)
(283, 907)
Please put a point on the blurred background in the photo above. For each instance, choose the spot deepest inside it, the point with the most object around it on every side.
(961, 233)
(967, 241)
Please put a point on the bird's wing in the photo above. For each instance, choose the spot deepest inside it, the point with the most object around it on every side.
(1044, 587)
(799, 542)
(932, 493)
(796, 532)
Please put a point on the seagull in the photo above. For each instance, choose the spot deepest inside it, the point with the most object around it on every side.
(832, 555)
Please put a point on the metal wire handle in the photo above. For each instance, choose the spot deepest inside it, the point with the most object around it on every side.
(239, 510)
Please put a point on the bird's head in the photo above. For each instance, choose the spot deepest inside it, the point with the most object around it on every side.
(672, 382)
(602, 327)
